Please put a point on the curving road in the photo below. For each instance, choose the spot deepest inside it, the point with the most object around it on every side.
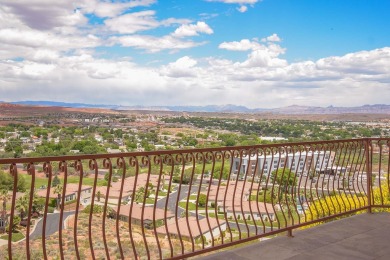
(51, 224)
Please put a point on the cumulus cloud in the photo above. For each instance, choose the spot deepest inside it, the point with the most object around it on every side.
(154, 44)
(246, 45)
(263, 58)
(261, 55)
(47, 51)
(31, 43)
(45, 14)
(242, 9)
(236, 1)
(39, 39)
(192, 29)
(243, 45)
(112, 9)
(273, 38)
(132, 22)
(183, 67)
(188, 80)
(363, 62)
(171, 21)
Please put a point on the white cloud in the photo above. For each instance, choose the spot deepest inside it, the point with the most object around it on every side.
(246, 45)
(36, 39)
(145, 20)
(154, 44)
(112, 9)
(263, 58)
(47, 52)
(170, 21)
(45, 14)
(273, 38)
(364, 62)
(183, 67)
(267, 82)
(192, 29)
(132, 22)
(29, 43)
(260, 56)
(236, 1)
(45, 56)
(242, 9)
(243, 45)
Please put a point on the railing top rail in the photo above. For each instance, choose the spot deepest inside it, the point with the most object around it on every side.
(179, 151)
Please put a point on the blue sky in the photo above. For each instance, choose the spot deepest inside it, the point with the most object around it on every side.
(268, 53)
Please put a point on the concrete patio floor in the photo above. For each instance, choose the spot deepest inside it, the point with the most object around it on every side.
(364, 236)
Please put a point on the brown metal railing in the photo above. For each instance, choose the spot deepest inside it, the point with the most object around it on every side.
(182, 203)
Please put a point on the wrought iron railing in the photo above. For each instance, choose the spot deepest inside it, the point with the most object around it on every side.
(182, 203)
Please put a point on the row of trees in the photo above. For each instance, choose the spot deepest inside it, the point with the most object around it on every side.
(292, 129)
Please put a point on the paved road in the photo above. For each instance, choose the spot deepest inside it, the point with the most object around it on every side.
(173, 198)
(51, 224)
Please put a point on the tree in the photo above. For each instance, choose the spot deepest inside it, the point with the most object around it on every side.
(15, 146)
(15, 224)
(99, 194)
(202, 200)
(21, 187)
(284, 177)
(22, 205)
(140, 194)
(4, 197)
(186, 176)
(284, 194)
(58, 190)
(7, 182)
(56, 181)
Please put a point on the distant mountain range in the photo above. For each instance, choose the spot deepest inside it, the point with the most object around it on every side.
(294, 109)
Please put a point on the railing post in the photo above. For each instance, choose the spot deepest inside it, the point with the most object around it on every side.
(367, 144)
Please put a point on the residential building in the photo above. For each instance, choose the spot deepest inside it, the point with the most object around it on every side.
(299, 162)
(251, 210)
(151, 216)
(71, 193)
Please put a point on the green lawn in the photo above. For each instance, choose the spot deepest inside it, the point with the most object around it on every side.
(149, 200)
(191, 206)
(212, 214)
(193, 197)
(86, 181)
(15, 237)
(162, 193)
(71, 179)
(38, 181)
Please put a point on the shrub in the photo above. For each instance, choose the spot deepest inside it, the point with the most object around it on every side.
(186, 178)
(52, 202)
(96, 209)
(202, 199)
